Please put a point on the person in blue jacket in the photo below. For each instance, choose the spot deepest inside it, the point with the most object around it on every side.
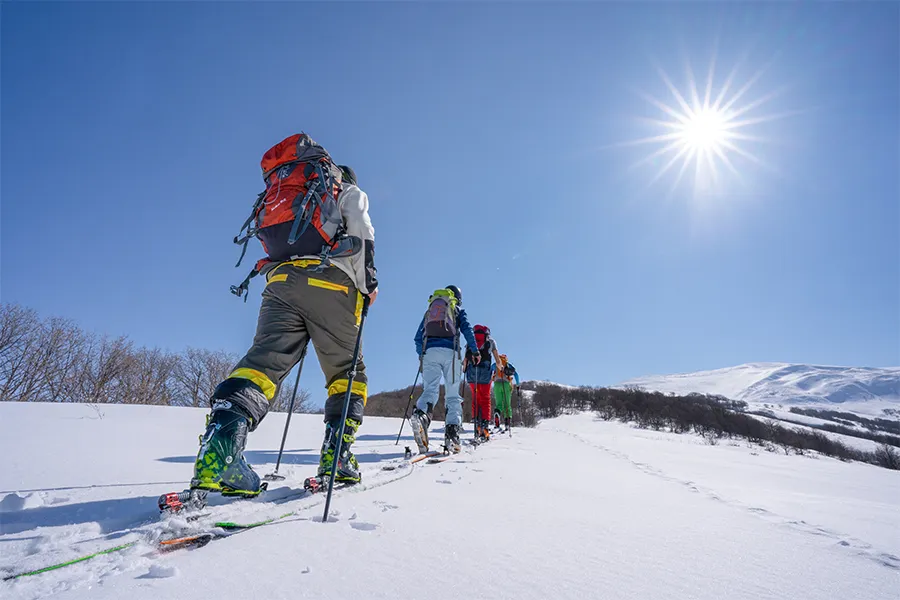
(437, 345)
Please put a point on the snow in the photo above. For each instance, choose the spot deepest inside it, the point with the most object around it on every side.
(863, 390)
(576, 508)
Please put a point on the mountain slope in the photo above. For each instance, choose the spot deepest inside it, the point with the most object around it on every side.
(577, 508)
(866, 390)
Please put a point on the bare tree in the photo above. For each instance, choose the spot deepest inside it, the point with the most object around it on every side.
(106, 360)
(197, 374)
(219, 365)
(189, 377)
(282, 400)
(148, 378)
(62, 374)
(20, 331)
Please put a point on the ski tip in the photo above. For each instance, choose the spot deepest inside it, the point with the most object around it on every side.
(191, 541)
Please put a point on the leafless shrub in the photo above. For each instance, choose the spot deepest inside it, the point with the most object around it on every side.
(54, 360)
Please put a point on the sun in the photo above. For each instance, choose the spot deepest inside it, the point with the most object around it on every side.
(705, 135)
(705, 131)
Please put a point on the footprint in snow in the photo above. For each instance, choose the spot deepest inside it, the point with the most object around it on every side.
(332, 518)
(160, 572)
(360, 526)
(448, 482)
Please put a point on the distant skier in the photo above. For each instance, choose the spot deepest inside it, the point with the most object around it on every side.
(504, 374)
(314, 291)
(437, 345)
(479, 373)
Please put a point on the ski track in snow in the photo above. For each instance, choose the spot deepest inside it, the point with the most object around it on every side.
(858, 547)
(563, 511)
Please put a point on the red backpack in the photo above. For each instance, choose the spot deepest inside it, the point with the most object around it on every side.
(298, 213)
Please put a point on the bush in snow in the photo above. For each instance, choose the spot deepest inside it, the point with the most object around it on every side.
(712, 417)
(888, 457)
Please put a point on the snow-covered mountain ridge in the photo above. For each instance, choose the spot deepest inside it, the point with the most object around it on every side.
(865, 390)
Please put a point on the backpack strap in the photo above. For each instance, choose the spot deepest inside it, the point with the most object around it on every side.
(310, 202)
(251, 231)
(243, 288)
(304, 215)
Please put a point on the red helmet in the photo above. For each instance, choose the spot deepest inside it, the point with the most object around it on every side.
(482, 334)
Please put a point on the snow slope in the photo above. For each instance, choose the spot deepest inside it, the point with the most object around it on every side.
(863, 390)
(577, 508)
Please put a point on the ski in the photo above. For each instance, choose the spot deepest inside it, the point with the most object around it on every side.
(440, 459)
(69, 562)
(218, 530)
(425, 456)
(409, 461)
(191, 541)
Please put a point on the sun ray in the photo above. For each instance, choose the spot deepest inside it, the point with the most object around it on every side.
(666, 137)
(744, 153)
(727, 161)
(649, 158)
(681, 101)
(725, 87)
(746, 87)
(692, 83)
(710, 76)
(666, 109)
(668, 166)
(684, 165)
(661, 123)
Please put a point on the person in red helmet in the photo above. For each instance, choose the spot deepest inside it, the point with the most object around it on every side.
(479, 375)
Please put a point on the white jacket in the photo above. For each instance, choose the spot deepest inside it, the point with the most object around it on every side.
(354, 205)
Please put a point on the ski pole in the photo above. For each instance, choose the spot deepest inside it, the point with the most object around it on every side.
(518, 401)
(351, 375)
(408, 404)
(476, 410)
(275, 476)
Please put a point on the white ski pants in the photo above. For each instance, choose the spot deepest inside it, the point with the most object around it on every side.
(436, 363)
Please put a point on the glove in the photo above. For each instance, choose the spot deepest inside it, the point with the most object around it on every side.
(476, 358)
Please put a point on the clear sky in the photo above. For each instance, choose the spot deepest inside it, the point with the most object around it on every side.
(497, 143)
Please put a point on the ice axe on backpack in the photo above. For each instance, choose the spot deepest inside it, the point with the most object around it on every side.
(274, 476)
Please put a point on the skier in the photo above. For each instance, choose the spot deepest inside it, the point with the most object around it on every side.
(437, 345)
(314, 292)
(479, 373)
(504, 373)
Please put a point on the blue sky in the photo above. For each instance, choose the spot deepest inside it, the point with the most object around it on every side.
(492, 140)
